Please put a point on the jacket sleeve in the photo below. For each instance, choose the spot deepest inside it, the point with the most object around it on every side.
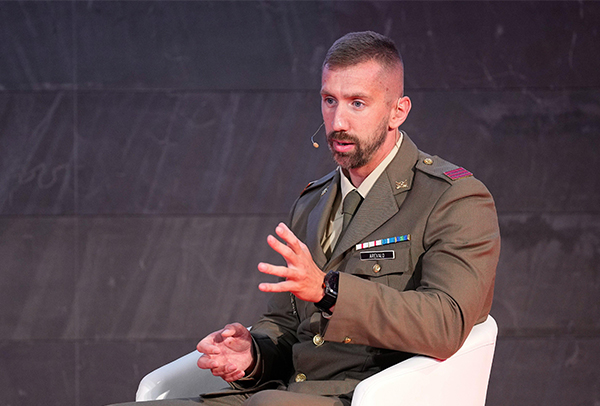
(456, 272)
(274, 334)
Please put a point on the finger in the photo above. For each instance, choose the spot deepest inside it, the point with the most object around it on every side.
(228, 331)
(289, 237)
(285, 251)
(207, 348)
(205, 362)
(224, 371)
(219, 370)
(285, 286)
(233, 330)
(269, 269)
(234, 376)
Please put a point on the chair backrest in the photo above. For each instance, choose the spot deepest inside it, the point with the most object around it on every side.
(461, 380)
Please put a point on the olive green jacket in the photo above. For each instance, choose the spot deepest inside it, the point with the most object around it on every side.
(424, 300)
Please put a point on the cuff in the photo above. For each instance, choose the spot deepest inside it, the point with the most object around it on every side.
(251, 377)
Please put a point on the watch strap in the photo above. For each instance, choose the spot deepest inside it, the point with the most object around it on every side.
(330, 284)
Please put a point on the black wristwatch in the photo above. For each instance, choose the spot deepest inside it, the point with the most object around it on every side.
(330, 284)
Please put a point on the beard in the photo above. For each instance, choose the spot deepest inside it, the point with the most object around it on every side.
(363, 150)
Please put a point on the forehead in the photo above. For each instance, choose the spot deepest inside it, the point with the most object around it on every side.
(359, 78)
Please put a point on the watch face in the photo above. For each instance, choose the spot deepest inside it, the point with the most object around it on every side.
(332, 281)
(331, 286)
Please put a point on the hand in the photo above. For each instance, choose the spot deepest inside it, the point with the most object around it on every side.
(302, 276)
(227, 352)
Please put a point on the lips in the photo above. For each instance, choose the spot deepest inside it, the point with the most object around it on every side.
(342, 146)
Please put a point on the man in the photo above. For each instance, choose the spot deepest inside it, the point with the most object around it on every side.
(392, 254)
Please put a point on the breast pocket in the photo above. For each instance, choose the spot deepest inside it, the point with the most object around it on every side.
(390, 265)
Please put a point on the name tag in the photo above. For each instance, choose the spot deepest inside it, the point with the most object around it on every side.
(377, 255)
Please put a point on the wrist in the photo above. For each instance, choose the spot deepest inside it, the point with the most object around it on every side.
(254, 368)
(330, 292)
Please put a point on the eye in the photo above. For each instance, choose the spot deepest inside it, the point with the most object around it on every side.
(329, 101)
(358, 104)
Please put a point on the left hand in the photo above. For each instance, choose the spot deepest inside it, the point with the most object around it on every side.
(227, 352)
(302, 276)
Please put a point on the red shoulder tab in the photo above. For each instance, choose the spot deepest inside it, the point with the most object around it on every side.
(458, 173)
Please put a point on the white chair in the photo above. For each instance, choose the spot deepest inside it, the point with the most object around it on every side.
(461, 380)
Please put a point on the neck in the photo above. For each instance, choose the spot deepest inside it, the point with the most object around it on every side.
(358, 175)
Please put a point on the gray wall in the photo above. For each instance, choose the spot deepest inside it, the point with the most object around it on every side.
(148, 147)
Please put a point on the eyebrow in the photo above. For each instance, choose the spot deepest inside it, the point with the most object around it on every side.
(347, 95)
(357, 96)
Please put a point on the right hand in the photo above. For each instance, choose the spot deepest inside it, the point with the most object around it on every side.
(227, 352)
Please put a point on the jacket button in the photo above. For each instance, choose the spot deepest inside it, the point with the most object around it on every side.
(347, 340)
(300, 377)
(318, 340)
(376, 268)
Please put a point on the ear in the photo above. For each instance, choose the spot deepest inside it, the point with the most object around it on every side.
(399, 112)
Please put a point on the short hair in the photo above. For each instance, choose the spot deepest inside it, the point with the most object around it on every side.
(357, 47)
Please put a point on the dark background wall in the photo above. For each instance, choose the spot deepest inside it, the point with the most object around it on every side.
(148, 147)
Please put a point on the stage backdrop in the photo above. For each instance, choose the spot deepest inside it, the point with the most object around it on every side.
(147, 148)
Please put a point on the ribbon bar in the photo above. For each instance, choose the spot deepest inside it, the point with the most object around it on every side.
(384, 241)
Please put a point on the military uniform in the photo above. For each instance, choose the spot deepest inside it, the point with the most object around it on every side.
(417, 267)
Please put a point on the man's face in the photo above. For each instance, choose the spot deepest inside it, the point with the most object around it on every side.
(356, 111)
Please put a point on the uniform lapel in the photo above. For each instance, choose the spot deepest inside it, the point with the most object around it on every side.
(318, 218)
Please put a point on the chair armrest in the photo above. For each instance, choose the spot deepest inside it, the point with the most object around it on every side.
(461, 380)
(181, 378)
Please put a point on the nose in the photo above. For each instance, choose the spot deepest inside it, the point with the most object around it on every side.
(339, 120)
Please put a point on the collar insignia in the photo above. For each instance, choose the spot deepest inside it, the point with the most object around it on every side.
(402, 184)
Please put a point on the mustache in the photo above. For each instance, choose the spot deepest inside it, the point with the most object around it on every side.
(342, 136)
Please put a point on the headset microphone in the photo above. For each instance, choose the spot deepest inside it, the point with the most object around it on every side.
(312, 139)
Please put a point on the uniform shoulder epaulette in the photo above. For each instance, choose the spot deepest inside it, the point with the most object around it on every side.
(436, 166)
(316, 183)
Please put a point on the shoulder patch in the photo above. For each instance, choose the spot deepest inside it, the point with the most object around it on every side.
(440, 168)
(458, 173)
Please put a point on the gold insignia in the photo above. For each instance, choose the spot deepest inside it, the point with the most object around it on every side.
(402, 184)
(428, 161)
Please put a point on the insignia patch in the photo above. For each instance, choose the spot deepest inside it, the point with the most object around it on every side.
(458, 173)
(402, 184)
(385, 241)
